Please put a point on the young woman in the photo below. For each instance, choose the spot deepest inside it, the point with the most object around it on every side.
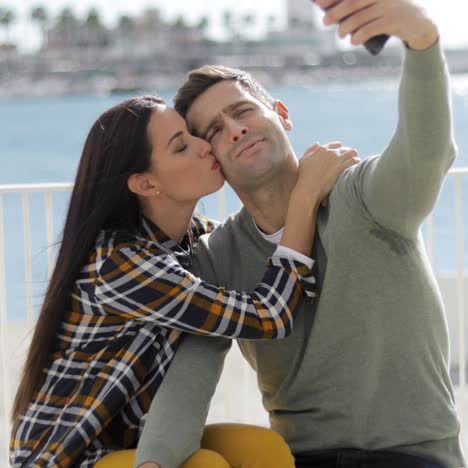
(121, 296)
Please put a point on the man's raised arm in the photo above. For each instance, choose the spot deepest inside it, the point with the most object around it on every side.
(400, 188)
(176, 419)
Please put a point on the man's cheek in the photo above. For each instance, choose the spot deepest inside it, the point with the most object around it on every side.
(221, 158)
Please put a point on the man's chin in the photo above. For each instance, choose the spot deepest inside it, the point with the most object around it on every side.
(250, 178)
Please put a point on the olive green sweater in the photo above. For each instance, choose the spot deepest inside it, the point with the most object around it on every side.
(366, 366)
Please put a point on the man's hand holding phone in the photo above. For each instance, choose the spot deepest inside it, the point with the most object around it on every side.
(373, 21)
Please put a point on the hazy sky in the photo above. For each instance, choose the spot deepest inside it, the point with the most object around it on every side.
(451, 14)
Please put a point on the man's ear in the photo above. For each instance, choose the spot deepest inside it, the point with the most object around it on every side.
(283, 113)
(141, 184)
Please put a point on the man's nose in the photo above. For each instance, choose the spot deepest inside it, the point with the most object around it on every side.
(236, 130)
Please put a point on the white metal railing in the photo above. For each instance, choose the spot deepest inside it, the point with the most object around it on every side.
(458, 175)
(224, 401)
(460, 286)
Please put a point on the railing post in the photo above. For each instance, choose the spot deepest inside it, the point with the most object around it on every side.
(27, 258)
(460, 290)
(222, 203)
(5, 378)
(50, 233)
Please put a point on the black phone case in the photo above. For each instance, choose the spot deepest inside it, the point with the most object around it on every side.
(375, 44)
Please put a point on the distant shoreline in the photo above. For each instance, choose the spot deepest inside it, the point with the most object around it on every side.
(84, 72)
(327, 77)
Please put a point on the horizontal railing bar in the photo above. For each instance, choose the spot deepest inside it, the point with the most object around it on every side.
(458, 171)
(64, 186)
(51, 187)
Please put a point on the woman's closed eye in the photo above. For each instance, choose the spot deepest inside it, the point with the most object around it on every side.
(181, 148)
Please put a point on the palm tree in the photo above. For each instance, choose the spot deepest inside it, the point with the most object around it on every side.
(93, 20)
(271, 23)
(7, 17)
(66, 18)
(203, 24)
(65, 33)
(97, 35)
(228, 22)
(152, 19)
(180, 22)
(40, 16)
(125, 22)
(249, 21)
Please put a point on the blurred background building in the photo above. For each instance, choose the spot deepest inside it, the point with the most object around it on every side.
(82, 54)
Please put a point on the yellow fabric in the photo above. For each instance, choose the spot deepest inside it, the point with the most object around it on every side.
(225, 446)
(246, 446)
(200, 459)
(118, 459)
(206, 458)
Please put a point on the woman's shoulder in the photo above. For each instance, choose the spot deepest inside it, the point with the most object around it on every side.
(114, 249)
(110, 242)
(111, 238)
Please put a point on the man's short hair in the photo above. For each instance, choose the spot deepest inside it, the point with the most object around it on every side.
(199, 80)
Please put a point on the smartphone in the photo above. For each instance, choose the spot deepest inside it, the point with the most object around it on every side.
(375, 44)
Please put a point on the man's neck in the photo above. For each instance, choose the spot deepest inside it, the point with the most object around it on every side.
(268, 205)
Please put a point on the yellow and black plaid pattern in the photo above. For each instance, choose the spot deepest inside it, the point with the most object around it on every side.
(128, 308)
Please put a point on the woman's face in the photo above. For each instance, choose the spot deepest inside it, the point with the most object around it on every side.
(182, 166)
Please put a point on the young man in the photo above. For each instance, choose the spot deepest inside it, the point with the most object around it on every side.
(363, 379)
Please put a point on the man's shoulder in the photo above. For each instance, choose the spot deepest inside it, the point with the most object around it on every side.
(228, 232)
(349, 184)
(214, 252)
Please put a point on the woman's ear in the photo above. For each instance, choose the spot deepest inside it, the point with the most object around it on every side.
(283, 113)
(141, 184)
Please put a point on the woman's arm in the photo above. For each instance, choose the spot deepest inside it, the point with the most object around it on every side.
(142, 283)
(139, 282)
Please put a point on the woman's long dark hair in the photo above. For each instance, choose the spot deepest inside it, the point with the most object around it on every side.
(117, 146)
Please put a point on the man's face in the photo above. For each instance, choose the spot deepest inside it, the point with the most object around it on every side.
(247, 138)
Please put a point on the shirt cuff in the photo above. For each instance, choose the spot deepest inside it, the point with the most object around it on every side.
(302, 272)
(283, 251)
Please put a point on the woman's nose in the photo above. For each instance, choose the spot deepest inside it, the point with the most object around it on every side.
(205, 148)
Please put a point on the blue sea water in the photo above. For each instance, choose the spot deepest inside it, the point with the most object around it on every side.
(41, 141)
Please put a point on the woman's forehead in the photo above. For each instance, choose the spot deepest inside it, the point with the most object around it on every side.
(164, 123)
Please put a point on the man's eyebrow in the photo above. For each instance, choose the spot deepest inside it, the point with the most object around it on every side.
(227, 110)
(173, 137)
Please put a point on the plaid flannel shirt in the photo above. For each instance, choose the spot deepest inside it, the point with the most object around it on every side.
(129, 306)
